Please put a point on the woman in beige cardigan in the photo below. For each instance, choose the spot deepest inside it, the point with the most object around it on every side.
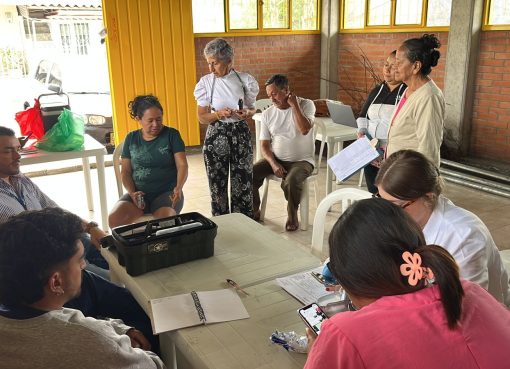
(417, 122)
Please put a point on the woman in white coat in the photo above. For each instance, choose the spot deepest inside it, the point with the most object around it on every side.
(408, 179)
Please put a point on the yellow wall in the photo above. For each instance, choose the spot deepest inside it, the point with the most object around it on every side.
(151, 49)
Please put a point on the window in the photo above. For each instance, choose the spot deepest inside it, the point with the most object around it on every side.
(65, 38)
(409, 12)
(276, 14)
(379, 12)
(394, 15)
(438, 13)
(81, 31)
(255, 16)
(243, 14)
(208, 16)
(497, 14)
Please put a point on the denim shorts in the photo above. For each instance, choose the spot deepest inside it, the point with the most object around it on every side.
(161, 201)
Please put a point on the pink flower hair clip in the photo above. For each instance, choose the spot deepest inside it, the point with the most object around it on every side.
(412, 268)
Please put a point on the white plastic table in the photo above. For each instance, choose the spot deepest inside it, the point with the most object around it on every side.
(253, 256)
(335, 134)
(91, 148)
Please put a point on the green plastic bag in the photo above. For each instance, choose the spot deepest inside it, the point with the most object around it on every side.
(66, 135)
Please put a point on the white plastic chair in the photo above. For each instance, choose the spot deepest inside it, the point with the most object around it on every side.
(262, 104)
(505, 257)
(345, 196)
(318, 128)
(116, 167)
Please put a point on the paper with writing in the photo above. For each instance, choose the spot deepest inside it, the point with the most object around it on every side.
(303, 286)
(351, 159)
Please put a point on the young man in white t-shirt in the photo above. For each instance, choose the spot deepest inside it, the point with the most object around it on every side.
(287, 146)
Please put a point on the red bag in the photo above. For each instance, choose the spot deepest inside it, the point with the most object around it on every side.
(30, 120)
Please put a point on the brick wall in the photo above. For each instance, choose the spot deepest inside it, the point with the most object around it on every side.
(297, 56)
(490, 130)
(354, 73)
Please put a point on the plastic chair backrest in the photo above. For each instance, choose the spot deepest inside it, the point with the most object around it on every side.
(318, 128)
(117, 166)
(345, 196)
(262, 104)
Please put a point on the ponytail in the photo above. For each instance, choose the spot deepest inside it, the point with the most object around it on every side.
(446, 276)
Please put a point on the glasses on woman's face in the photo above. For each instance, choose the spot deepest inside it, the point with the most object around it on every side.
(399, 203)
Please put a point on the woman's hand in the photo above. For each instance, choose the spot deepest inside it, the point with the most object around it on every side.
(134, 197)
(310, 334)
(360, 134)
(225, 113)
(176, 196)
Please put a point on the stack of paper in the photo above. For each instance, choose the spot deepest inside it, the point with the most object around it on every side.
(351, 159)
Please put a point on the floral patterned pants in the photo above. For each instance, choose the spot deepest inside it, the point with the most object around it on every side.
(228, 150)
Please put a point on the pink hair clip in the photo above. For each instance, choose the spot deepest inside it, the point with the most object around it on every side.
(412, 268)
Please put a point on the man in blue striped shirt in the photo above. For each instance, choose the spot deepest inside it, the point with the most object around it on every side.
(99, 297)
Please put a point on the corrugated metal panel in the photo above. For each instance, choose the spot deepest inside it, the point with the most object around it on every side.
(151, 50)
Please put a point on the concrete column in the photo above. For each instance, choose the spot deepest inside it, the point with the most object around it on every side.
(329, 49)
(461, 62)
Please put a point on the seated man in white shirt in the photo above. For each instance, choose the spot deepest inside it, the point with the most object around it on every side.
(286, 142)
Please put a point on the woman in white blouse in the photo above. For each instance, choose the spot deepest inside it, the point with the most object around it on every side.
(410, 180)
(226, 98)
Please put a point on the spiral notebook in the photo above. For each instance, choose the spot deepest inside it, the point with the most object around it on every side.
(195, 308)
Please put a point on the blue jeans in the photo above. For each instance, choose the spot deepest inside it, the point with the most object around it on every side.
(92, 255)
(100, 298)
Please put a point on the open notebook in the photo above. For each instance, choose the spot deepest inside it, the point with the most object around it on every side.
(195, 308)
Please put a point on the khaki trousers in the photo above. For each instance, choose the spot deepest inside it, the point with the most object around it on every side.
(292, 184)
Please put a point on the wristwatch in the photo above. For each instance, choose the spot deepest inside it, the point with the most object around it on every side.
(90, 225)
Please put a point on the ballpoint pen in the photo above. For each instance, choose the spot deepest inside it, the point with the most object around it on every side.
(236, 286)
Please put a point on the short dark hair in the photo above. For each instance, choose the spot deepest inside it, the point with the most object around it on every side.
(409, 175)
(141, 103)
(280, 80)
(366, 246)
(423, 49)
(4, 131)
(32, 245)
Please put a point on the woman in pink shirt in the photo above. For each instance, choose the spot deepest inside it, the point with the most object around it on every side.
(413, 310)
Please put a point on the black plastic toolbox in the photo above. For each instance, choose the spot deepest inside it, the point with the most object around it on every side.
(160, 243)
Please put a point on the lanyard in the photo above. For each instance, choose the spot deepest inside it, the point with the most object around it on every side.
(20, 198)
(214, 82)
(12, 192)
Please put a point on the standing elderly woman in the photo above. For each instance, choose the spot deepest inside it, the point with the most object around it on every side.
(417, 122)
(408, 179)
(225, 100)
(413, 311)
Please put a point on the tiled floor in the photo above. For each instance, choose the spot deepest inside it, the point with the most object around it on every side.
(68, 191)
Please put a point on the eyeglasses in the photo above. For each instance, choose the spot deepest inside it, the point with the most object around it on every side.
(397, 202)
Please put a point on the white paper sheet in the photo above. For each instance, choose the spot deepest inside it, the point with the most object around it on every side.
(351, 159)
(303, 286)
(175, 312)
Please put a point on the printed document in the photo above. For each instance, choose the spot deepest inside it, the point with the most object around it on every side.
(351, 159)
